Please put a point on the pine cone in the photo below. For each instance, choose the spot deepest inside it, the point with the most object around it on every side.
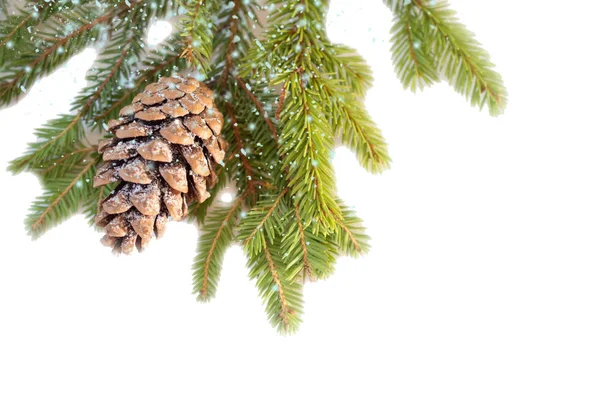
(164, 153)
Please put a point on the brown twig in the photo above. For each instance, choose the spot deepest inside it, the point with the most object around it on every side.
(52, 205)
(280, 292)
(307, 269)
(280, 102)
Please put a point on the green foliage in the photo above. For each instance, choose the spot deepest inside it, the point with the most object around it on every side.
(61, 37)
(461, 59)
(217, 235)
(197, 31)
(307, 146)
(17, 29)
(429, 42)
(350, 237)
(350, 68)
(113, 66)
(54, 139)
(281, 293)
(411, 49)
(260, 234)
(307, 255)
(63, 196)
(287, 96)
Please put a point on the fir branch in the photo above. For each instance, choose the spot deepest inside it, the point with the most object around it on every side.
(232, 38)
(60, 133)
(217, 235)
(260, 234)
(306, 268)
(350, 237)
(197, 34)
(245, 86)
(411, 54)
(461, 58)
(65, 162)
(349, 67)
(281, 294)
(117, 58)
(307, 255)
(12, 26)
(306, 147)
(53, 138)
(262, 223)
(361, 135)
(17, 31)
(61, 199)
(24, 71)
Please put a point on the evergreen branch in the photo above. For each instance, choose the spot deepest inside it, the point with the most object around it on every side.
(280, 104)
(22, 21)
(307, 255)
(296, 54)
(461, 58)
(198, 36)
(285, 312)
(217, 236)
(349, 67)
(360, 133)
(16, 31)
(93, 99)
(61, 199)
(233, 23)
(60, 133)
(303, 244)
(260, 232)
(259, 220)
(411, 55)
(62, 164)
(306, 146)
(282, 295)
(53, 138)
(23, 72)
(350, 237)
(259, 106)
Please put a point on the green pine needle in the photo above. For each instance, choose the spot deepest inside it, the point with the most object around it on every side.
(308, 256)
(217, 236)
(55, 138)
(461, 59)
(198, 34)
(62, 197)
(350, 237)
(413, 60)
(280, 291)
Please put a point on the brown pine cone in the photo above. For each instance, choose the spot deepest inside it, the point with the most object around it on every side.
(165, 148)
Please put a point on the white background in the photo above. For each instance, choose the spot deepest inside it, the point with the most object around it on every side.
(483, 280)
